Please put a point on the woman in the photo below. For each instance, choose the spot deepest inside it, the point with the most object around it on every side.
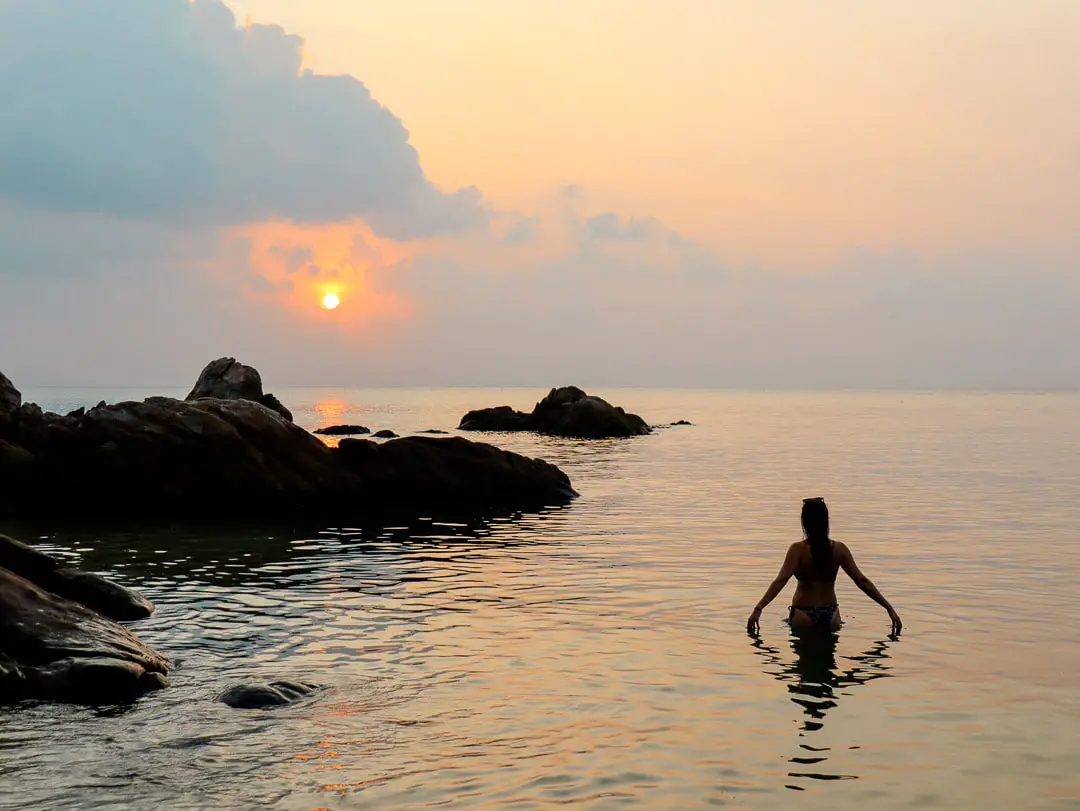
(815, 562)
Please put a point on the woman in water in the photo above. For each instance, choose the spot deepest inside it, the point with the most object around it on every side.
(815, 562)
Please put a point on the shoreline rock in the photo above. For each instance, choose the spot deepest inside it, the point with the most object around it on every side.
(59, 649)
(93, 591)
(167, 460)
(567, 412)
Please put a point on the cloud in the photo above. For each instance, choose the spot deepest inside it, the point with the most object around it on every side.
(609, 227)
(166, 110)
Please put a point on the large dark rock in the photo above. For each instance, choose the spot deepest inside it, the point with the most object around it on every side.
(10, 398)
(93, 591)
(342, 430)
(499, 418)
(259, 696)
(566, 411)
(228, 379)
(571, 412)
(166, 460)
(453, 472)
(57, 649)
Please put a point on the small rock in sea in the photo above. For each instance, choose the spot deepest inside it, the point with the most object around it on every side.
(433, 431)
(385, 433)
(342, 430)
(272, 694)
(682, 422)
(566, 411)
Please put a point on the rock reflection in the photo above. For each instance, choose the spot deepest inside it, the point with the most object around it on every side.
(815, 681)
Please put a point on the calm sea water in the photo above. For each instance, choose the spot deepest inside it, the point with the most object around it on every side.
(595, 656)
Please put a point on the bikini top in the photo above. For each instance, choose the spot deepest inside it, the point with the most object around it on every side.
(812, 576)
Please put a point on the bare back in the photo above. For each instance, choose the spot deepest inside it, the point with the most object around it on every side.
(814, 587)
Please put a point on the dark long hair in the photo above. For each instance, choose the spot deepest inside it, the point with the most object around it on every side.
(815, 524)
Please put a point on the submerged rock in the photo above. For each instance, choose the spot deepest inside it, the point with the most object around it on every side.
(256, 696)
(681, 422)
(228, 379)
(566, 411)
(93, 591)
(57, 649)
(342, 430)
(385, 433)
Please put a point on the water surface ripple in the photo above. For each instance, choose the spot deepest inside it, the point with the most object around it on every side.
(594, 656)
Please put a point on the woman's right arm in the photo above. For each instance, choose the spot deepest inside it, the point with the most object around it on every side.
(847, 563)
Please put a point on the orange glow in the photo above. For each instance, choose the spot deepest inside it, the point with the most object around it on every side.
(296, 264)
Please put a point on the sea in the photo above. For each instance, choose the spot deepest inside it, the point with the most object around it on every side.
(595, 656)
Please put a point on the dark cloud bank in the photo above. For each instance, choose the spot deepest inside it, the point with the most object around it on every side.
(165, 109)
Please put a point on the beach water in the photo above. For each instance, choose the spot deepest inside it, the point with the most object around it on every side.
(595, 656)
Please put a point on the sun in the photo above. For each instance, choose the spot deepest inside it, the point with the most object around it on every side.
(330, 301)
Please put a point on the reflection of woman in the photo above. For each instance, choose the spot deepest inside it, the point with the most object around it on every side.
(814, 677)
(815, 561)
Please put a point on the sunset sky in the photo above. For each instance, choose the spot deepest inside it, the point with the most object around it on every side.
(541, 192)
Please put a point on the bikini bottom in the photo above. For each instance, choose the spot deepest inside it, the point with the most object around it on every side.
(821, 616)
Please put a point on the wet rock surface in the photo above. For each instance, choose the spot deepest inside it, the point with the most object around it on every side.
(228, 379)
(57, 649)
(263, 695)
(93, 591)
(567, 411)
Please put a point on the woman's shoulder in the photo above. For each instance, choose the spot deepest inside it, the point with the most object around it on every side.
(840, 548)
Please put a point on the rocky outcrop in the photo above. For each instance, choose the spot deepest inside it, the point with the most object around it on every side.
(93, 591)
(385, 433)
(10, 398)
(227, 379)
(260, 696)
(566, 411)
(166, 460)
(499, 418)
(342, 430)
(57, 649)
(454, 472)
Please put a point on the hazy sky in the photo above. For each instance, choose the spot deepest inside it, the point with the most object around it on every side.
(541, 192)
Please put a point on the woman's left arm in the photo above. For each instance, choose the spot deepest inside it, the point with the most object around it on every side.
(777, 585)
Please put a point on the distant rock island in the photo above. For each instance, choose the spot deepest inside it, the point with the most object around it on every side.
(342, 430)
(566, 411)
(230, 451)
